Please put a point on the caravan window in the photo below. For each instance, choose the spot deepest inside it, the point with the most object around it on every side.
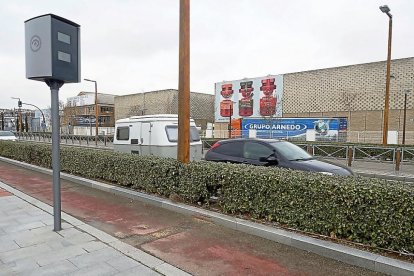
(122, 133)
(172, 133)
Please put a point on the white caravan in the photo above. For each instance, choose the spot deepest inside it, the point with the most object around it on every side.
(154, 135)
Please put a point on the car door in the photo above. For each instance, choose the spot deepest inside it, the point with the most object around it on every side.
(229, 151)
(254, 150)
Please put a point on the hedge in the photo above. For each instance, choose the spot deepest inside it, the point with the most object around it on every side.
(370, 211)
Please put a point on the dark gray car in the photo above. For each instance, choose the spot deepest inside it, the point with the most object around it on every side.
(271, 152)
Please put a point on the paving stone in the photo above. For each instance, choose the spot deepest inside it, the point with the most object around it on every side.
(9, 223)
(59, 268)
(139, 270)
(94, 245)
(19, 266)
(23, 253)
(34, 217)
(80, 238)
(101, 255)
(123, 263)
(69, 232)
(100, 269)
(15, 212)
(24, 233)
(21, 227)
(59, 255)
(8, 245)
(60, 244)
(38, 239)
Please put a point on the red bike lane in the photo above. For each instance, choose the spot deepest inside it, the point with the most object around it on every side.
(187, 242)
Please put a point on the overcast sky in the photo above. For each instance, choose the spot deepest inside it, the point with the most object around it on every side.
(131, 46)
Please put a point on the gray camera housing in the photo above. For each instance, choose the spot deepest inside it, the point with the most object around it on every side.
(52, 47)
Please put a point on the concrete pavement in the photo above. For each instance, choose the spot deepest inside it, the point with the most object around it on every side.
(28, 246)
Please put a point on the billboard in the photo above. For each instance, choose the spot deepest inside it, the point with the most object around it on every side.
(249, 98)
(322, 129)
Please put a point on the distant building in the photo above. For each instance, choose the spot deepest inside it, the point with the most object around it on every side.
(79, 113)
(165, 102)
(18, 119)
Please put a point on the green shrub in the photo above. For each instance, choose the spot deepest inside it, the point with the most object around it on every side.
(369, 211)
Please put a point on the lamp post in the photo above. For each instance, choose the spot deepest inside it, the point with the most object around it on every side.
(43, 115)
(405, 114)
(385, 9)
(96, 109)
(19, 104)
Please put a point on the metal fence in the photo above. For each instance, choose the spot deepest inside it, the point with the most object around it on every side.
(102, 141)
(365, 157)
(363, 137)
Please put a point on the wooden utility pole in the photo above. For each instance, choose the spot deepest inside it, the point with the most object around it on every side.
(183, 151)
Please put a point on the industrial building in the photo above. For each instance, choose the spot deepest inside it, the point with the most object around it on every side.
(355, 92)
(165, 102)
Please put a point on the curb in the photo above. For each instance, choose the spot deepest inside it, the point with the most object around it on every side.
(323, 248)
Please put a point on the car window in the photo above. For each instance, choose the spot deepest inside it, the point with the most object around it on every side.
(291, 151)
(234, 149)
(255, 150)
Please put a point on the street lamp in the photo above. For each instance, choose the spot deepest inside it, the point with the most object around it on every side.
(96, 109)
(385, 9)
(405, 114)
(19, 104)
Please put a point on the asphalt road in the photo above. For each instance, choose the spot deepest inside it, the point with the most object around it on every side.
(190, 243)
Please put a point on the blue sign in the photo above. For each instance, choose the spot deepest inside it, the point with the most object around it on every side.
(323, 128)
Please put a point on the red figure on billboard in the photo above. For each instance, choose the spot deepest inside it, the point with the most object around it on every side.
(268, 101)
(226, 105)
(246, 102)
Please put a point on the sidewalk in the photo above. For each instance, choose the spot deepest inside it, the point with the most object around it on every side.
(29, 246)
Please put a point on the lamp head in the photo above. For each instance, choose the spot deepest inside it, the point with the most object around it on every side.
(385, 9)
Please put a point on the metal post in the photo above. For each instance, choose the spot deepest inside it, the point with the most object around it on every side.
(397, 159)
(96, 113)
(309, 149)
(387, 83)
(183, 152)
(350, 156)
(54, 88)
(231, 110)
(405, 116)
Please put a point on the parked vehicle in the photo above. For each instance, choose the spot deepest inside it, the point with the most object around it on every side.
(271, 152)
(154, 135)
(7, 135)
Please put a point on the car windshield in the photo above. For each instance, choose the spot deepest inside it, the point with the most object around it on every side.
(291, 151)
(6, 133)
